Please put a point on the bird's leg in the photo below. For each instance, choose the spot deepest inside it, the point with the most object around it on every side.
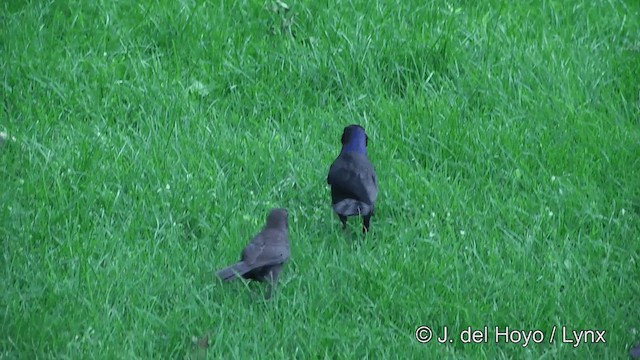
(343, 219)
(272, 277)
(365, 223)
(269, 291)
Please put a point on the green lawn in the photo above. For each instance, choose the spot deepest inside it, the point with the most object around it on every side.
(151, 141)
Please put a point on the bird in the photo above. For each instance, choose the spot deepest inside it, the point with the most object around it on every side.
(263, 257)
(635, 351)
(353, 181)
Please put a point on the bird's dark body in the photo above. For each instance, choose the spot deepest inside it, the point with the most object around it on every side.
(263, 257)
(354, 186)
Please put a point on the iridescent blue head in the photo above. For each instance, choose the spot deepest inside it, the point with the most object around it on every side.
(354, 139)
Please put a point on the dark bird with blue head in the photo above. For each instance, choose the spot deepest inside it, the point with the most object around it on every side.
(354, 186)
(263, 257)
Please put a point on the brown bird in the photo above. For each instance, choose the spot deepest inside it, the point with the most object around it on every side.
(263, 257)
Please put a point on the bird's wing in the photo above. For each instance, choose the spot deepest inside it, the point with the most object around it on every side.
(354, 176)
(275, 253)
(253, 249)
(269, 247)
(372, 188)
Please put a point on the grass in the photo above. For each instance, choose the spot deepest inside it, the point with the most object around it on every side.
(152, 139)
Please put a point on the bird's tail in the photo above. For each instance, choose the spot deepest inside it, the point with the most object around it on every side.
(350, 207)
(230, 272)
